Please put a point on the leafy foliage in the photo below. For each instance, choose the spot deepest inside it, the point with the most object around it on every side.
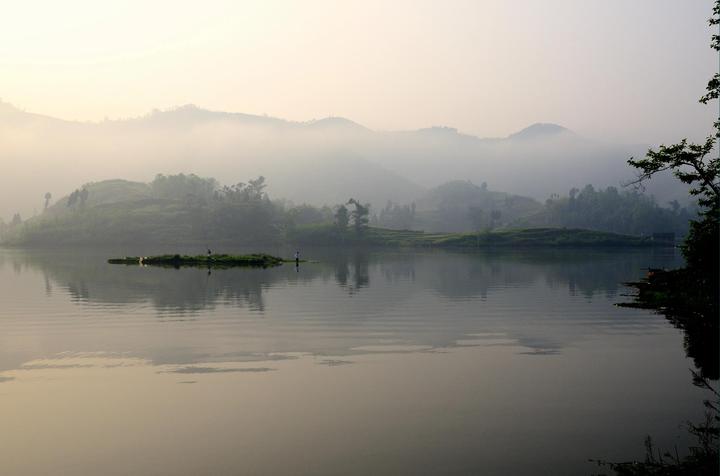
(342, 219)
(395, 216)
(188, 187)
(610, 209)
(689, 297)
(699, 166)
(359, 215)
(78, 198)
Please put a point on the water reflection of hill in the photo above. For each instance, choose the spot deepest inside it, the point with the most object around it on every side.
(582, 272)
(453, 275)
(90, 279)
(542, 300)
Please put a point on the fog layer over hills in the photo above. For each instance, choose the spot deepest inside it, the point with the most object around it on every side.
(318, 162)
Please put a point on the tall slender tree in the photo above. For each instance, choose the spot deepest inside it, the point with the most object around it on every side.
(360, 215)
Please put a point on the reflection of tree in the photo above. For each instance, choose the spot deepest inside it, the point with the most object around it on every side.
(454, 275)
(584, 272)
(169, 290)
(342, 272)
(48, 284)
(416, 296)
(700, 339)
(606, 276)
(466, 275)
(401, 267)
(700, 333)
(352, 271)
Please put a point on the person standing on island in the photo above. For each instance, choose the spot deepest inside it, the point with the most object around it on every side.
(297, 257)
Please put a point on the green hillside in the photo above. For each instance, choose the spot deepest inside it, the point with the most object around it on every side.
(186, 209)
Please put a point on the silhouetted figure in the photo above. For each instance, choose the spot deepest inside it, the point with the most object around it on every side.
(209, 252)
(297, 258)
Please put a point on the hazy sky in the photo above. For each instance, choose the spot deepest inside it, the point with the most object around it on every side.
(615, 69)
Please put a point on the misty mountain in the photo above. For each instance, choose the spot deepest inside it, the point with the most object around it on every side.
(539, 131)
(319, 162)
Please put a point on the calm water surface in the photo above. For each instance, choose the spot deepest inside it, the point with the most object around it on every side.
(366, 362)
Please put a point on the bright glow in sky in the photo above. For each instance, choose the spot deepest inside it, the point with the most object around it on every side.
(614, 69)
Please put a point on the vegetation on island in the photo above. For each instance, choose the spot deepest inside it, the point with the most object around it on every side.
(210, 261)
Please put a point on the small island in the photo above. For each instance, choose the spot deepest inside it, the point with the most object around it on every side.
(213, 261)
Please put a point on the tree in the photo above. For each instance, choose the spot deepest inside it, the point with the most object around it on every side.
(609, 209)
(187, 187)
(255, 188)
(48, 196)
(689, 296)
(341, 218)
(73, 198)
(394, 216)
(359, 215)
(252, 192)
(697, 166)
(77, 197)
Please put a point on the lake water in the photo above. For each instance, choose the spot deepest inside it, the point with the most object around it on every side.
(365, 362)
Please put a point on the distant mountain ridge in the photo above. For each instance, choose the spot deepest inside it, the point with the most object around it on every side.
(323, 161)
(191, 113)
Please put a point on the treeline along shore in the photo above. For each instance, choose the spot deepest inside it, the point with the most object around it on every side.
(186, 209)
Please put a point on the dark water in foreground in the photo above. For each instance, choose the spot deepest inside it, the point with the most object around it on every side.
(367, 362)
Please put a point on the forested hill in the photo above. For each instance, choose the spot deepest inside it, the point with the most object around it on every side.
(182, 208)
